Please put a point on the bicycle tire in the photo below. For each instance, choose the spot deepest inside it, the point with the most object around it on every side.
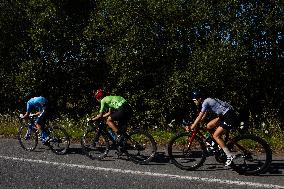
(59, 141)
(253, 154)
(94, 145)
(140, 147)
(30, 143)
(184, 158)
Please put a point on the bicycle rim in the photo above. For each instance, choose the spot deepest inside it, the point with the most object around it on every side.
(59, 140)
(185, 156)
(140, 147)
(27, 143)
(253, 155)
(94, 145)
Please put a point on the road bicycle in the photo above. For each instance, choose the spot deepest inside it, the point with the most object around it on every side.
(189, 150)
(28, 136)
(98, 139)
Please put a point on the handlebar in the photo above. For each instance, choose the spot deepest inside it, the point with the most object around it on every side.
(31, 117)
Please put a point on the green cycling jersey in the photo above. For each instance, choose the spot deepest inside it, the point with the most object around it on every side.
(112, 102)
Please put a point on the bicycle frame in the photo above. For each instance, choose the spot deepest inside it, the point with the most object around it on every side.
(197, 131)
(95, 143)
(102, 130)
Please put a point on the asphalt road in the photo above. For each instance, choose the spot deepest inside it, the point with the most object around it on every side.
(43, 169)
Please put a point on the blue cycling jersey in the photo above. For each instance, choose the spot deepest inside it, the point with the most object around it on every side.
(215, 105)
(37, 104)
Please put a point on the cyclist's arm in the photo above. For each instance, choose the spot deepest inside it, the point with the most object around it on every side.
(199, 118)
(107, 114)
(26, 115)
(102, 115)
(37, 113)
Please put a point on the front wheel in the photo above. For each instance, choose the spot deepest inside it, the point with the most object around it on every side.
(140, 147)
(94, 144)
(253, 154)
(28, 137)
(186, 155)
(59, 141)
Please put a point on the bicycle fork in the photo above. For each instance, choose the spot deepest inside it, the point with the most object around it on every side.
(189, 142)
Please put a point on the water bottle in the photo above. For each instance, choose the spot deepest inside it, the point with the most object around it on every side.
(113, 134)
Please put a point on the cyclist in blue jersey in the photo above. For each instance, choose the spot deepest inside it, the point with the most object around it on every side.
(39, 106)
(116, 108)
(225, 120)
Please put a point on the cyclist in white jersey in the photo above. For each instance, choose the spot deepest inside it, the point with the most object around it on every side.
(225, 120)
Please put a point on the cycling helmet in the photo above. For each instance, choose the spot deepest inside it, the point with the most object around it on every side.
(198, 94)
(28, 95)
(98, 94)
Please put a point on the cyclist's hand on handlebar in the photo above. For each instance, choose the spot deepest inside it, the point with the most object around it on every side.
(22, 116)
(90, 120)
(191, 127)
(188, 128)
(32, 115)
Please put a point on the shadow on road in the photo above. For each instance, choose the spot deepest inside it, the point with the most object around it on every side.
(161, 158)
(276, 168)
(75, 151)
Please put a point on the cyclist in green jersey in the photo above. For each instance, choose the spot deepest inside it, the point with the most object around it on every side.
(117, 110)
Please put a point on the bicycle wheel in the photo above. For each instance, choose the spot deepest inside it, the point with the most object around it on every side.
(58, 140)
(28, 138)
(184, 156)
(94, 144)
(140, 147)
(253, 154)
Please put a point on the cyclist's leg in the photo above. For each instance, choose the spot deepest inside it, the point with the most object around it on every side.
(226, 124)
(122, 115)
(213, 123)
(217, 136)
(111, 124)
(40, 125)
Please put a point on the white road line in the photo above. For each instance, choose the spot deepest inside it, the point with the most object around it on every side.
(203, 179)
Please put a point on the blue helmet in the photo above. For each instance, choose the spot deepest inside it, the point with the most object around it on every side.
(199, 93)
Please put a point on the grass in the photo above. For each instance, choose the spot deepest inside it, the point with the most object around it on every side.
(9, 125)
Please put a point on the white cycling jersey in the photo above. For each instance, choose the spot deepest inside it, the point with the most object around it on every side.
(215, 105)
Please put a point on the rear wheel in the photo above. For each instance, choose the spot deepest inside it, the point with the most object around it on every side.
(184, 155)
(58, 140)
(27, 137)
(253, 154)
(94, 144)
(140, 147)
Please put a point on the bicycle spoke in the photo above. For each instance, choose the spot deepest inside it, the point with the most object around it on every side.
(253, 155)
(58, 140)
(94, 145)
(28, 138)
(185, 155)
(140, 147)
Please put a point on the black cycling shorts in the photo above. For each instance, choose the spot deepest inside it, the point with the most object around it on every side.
(229, 120)
(122, 115)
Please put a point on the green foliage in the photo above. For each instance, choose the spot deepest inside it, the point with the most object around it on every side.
(153, 52)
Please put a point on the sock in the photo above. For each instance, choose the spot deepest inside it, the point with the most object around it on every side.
(227, 152)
